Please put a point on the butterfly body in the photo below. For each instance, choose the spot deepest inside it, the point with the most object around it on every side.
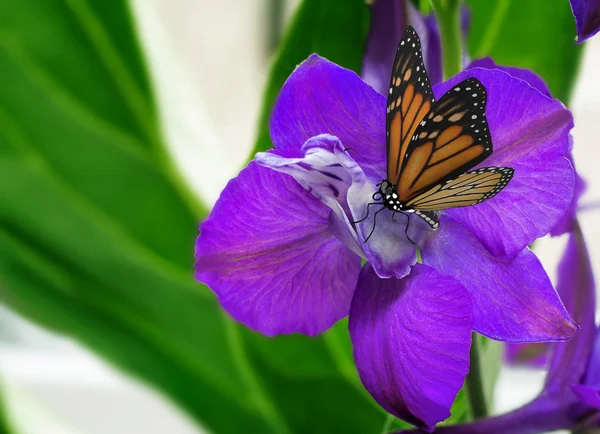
(432, 146)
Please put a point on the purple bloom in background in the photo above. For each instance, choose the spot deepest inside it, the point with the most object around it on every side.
(571, 395)
(587, 18)
(282, 253)
(533, 355)
(389, 19)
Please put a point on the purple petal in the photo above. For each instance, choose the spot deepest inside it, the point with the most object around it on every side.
(566, 222)
(513, 299)
(411, 342)
(387, 247)
(592, 377)
(576, 288)
(323, 170)
(536, 354)
(267, 252)
(389, 19)
(587, 18)
(531, 134)
(333, 177)
(588, 396)
(524, 74)
(541, 415)
(321, 97)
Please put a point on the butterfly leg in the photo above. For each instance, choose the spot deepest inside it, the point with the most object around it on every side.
(406, 228)
(374, 222)
(367, 216)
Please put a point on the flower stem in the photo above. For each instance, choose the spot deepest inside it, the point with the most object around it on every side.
(474, 381)
(448, 16)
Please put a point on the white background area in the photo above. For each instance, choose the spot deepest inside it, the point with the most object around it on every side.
(209, 61)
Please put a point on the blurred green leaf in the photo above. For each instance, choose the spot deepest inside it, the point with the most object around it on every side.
(530, 34)
(334, 29)
(97, 232)
(5, 425)
(491, 356)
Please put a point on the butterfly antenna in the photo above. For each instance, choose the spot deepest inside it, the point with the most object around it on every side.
(383, 176)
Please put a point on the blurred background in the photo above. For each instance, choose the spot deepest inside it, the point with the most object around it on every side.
(209, 63)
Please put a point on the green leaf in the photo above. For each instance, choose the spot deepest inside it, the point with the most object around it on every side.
(5, 425)
(334, 29)
(530, 34)
(97, 231)
(491, 356)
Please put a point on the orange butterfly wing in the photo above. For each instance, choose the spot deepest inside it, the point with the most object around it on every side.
(430, 145)
(409, 99)
(468, 189)
(451, 139)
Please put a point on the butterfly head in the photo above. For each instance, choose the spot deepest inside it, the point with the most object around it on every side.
(389, 195)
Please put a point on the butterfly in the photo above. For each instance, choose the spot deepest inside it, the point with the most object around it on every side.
(432, 145)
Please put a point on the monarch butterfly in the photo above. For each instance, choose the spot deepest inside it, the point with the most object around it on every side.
(432, 144)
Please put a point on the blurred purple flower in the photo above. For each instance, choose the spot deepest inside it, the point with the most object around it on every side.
(283, 255)
(533, 355)
(587, 18)
(389, 19)
(571, 395)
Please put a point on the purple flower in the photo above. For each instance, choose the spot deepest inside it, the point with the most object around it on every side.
(571, 395)
(587, 18)
(282, 253)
